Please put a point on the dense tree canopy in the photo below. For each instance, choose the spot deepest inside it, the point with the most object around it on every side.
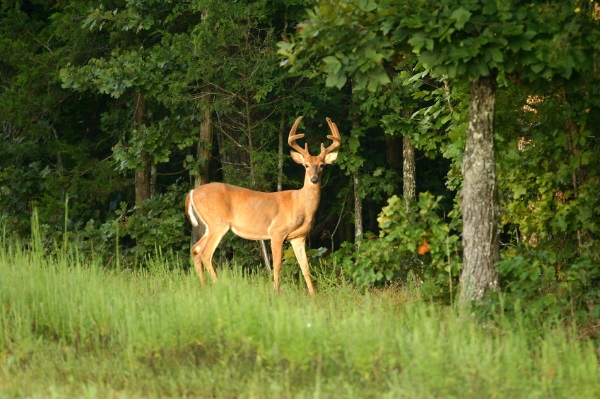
(481, 42)
(111, 111)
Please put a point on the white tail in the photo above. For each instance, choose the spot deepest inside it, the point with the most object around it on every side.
(191, 212)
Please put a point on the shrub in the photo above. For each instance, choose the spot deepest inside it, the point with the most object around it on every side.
(415, 243)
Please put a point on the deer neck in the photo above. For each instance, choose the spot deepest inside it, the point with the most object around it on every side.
(310, 195)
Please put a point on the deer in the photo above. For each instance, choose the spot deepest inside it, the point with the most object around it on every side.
(255, 215)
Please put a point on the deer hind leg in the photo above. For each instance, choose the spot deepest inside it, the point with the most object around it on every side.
(300, 252)
(205, 248)
(196, 250)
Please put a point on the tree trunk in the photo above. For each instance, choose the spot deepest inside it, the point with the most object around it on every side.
(153, 177)
(409, 190)
(280, 155)
(203, 153)
(480, 209)
(143, 171)
(358, 220)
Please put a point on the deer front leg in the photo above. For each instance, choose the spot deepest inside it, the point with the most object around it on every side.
(299, 250)
(276, 251)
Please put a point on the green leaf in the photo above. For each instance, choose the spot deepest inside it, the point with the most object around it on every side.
(519, 191)
(483, 69)
(380, 76)
(489, 7)
(585, 157)
(332, 64)
(430, 58)
(368, 5)
(497, 55)
(336, 79)
(537, 68)
(461, 16)
(417, 41)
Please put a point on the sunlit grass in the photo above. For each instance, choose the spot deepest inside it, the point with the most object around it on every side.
(72, 328)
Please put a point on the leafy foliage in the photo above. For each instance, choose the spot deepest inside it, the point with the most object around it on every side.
(541, 278)
(415, 244)
(454, 38)
(158, 225)
(549, 193)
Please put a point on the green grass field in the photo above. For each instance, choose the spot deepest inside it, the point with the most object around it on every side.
(72, 328)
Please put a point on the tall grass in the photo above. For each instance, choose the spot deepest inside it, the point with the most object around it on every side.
(72, 328)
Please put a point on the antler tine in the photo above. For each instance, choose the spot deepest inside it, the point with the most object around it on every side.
(293, 137)
(335, 137)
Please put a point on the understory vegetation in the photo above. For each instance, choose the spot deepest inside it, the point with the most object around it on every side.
(71, 327)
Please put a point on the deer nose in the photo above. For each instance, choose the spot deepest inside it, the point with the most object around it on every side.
(314, 179)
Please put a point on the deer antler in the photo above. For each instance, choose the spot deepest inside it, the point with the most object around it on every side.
(335, 137)
(293, 137)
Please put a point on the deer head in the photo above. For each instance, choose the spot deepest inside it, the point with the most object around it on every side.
(314, 163)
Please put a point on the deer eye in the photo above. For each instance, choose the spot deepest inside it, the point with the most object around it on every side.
(321, 166)
(306, 165)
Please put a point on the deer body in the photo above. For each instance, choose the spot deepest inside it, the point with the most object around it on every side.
(254, 215)
(269, 215)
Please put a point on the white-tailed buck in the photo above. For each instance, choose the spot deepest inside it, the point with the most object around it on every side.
(286, 215)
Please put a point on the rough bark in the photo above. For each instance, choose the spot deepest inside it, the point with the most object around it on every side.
(409, 190)
(479, 196)
(143, 171)
(153, 177)
(203, 150)
(358, 220)
(280, 154)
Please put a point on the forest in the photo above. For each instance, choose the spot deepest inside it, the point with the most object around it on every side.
(469, 134)
(455, 250)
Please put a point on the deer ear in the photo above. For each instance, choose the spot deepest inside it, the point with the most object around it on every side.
(297, 157)
(329, 158)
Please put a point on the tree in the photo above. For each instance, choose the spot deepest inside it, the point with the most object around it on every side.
(53, 147)
(462, 39)
(130, 69)
(143, 73)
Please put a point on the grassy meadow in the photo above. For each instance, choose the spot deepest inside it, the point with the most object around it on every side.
(70, 327)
